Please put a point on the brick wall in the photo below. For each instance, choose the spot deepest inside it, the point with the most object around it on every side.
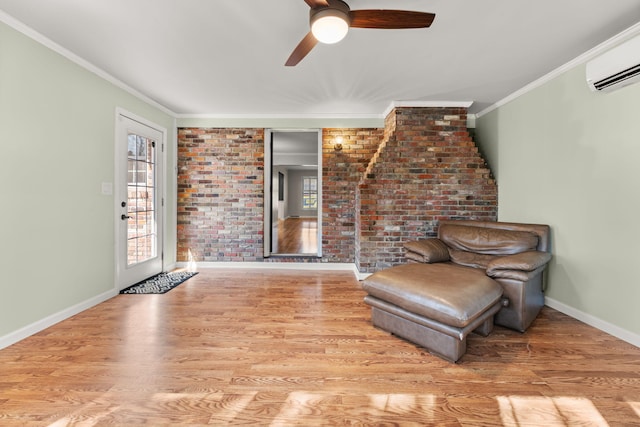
(427, 169)
(385, 186)
(220, 194)
(341, 172)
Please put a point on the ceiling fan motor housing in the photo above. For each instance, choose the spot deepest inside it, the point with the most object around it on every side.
(337, 8)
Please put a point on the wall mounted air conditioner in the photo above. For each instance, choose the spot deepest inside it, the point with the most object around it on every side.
(616, 68)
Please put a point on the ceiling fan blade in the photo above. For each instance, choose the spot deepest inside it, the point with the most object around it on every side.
(390, 19)
(317, 3)
(303, 48)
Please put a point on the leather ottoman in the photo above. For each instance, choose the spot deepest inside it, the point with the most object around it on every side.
(435, 305)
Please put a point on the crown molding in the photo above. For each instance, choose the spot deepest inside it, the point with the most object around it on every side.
(328, 116)
(320, 116)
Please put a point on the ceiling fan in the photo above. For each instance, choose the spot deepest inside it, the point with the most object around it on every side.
(331, 19)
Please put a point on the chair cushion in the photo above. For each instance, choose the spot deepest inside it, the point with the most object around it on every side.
(525, 261)
(447, 293)
(471, 259)
(489, 241)
(427, 250)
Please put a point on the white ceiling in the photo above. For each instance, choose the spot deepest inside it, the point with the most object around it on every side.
(226, 57)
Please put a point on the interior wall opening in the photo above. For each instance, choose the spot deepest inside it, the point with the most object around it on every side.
(293, 193)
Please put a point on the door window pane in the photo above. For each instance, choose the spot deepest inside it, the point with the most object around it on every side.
(142, 231)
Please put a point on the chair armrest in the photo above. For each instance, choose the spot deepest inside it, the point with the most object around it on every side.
(524, 261)
(427, 250)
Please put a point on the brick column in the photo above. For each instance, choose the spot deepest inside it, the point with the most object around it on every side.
(341, 172)
(427, 168)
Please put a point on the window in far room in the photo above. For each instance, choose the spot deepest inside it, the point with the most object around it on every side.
(309, 192)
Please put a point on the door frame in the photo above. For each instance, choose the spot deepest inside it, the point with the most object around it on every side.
(161, 196)
(268, 186)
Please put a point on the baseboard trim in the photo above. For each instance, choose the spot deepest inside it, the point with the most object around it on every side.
(597, 323)
(309, 266)
(362, 276)
(42, 324)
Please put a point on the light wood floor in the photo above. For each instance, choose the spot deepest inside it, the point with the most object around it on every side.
(298, 236)
(277, 348)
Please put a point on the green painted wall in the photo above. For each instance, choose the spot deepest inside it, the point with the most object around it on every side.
(568, 157)
(57, 127)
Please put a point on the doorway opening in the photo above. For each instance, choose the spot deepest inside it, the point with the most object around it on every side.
(293, 193)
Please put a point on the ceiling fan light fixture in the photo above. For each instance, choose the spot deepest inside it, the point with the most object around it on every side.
(329, 25)
(330, 21)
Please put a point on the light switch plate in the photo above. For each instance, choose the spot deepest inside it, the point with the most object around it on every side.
(107, 188)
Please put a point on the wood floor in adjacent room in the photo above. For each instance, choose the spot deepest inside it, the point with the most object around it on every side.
(298, 236)
(279, 348)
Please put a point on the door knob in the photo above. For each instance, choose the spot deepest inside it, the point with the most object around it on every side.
(124, 217)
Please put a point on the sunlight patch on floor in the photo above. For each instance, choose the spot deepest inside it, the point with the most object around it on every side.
(402, 403)
(549, 411)
(304, 405)
(192, 266)
(298, 405)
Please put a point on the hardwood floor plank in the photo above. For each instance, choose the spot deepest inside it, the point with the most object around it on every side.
(298, 236)
(269, 347)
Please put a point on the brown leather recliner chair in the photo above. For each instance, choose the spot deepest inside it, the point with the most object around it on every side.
(515, 255)
(474, 274)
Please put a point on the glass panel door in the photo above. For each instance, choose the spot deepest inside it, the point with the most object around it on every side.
(139, 178)
(142, 226)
